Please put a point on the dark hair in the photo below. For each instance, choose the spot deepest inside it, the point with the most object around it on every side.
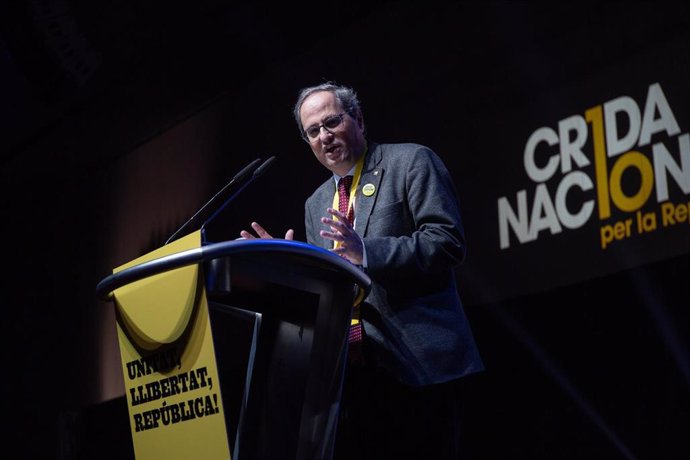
(346, 96)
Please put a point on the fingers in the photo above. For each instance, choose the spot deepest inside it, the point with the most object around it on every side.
(336, 225)
(350, 244)
(262, 233)
(246, 235)
(338, 214)
(341, 228)
(336, 236)
(340, 223)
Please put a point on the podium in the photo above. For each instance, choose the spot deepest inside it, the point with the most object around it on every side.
(279, 314)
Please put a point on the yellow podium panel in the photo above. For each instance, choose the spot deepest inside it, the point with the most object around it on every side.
(168, 361)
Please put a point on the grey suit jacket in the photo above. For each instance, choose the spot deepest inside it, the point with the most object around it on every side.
(413, 319)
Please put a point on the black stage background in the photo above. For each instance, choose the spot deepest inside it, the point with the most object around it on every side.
(120, 119)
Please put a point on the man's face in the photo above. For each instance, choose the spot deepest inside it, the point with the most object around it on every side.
(337, 148)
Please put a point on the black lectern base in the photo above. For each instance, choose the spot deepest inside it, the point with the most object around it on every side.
(98, 431)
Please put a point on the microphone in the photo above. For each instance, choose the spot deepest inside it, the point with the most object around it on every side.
(257, 173)
(244, 172)
(264, 166)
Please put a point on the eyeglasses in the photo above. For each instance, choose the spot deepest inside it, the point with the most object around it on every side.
(328, 124)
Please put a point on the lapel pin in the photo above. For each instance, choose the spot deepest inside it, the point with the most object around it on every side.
(368, 189)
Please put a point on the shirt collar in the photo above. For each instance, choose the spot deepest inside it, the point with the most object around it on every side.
(351, 172)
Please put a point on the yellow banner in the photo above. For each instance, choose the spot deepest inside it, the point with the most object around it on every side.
(168, 361)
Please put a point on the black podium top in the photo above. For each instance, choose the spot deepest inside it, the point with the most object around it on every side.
(208, 252)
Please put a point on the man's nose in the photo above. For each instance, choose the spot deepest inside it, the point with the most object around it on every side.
(325, 134)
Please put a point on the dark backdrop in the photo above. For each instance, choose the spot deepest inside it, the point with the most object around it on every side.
(120, 119)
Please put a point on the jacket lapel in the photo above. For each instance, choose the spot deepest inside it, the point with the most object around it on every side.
(322, 200)
(368, 189)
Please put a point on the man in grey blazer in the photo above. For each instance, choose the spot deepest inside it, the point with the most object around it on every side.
(403, 226)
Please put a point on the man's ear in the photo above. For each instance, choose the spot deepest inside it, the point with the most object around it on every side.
(360, 121)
